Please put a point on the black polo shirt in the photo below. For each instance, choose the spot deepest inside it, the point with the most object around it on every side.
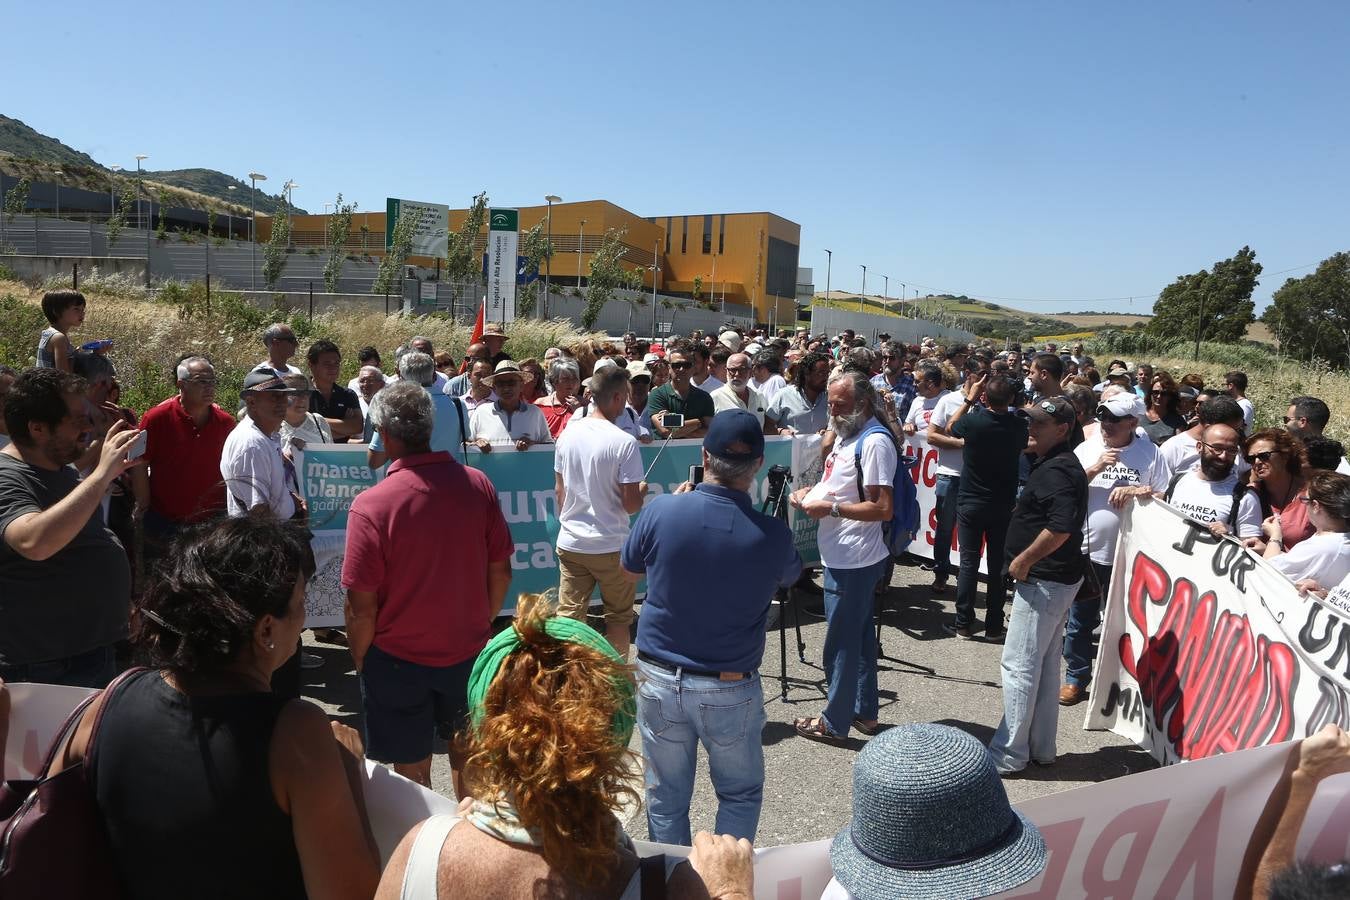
(1054, 499)
(336, 407)
(993, 452)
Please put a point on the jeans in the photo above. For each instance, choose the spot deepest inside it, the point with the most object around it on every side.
(850, 652)
(976, 525)
(948, 487)
(1031, 674)
(677, 712)
(91, 669)
(1080, 647)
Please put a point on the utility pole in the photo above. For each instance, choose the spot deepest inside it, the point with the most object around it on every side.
(581, 242)
(255, 177)
(864, 290)
(829, 261)
(548, 254)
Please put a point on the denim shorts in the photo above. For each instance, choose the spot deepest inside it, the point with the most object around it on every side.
(408, 705)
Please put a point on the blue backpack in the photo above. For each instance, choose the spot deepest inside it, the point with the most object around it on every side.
(904, 523)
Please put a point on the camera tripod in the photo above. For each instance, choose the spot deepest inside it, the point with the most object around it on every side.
(776, 505)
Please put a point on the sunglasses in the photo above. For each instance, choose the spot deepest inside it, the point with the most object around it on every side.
(1264, 456)
(1109, 417)
(681, 366)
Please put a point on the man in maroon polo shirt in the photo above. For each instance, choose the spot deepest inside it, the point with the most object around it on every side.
(184, 437)
(428, 563)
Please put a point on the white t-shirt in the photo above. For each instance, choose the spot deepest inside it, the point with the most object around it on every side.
(1138, 466)
(498, 426)
(1342, 469)
(769, 387)
(594, 457)
(254, 472)
(313, 430)
(629, 421)
(282, 370)
(1325, 558)
(1248, 413)
(1181, 452)
(709, 384)
(1211, 501)
(725, 398)
(921, 413)
(848, 543)
(949, 460)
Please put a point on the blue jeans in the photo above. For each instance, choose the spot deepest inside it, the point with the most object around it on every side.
(677, 712)
(850, 651)
(947, 489)
(91, 669)
(1031, 674)
(1080, 648)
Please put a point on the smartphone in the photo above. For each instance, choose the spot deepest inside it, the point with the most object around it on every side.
(671, 421)
(696, 474)
(137, 449)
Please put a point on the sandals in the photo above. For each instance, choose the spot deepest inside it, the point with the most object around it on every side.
(869, 730)
(815, 729)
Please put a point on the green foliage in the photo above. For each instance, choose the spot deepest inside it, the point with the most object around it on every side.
(1215, 306)
(391, 266)
(605, 276)
(1143, 346)
(161, 230)
(1311, 315)
(210, 221)
(16, 200)
(698, 288)
(534, 247)
(274, 251)
(20, 324)
(339, 226)
(8, 274)
(118, 220)
(463, 262)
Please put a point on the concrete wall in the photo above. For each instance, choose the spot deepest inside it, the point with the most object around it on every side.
(911, 331)
(40, 268)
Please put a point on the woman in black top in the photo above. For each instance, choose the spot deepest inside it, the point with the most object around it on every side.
(209, 785)
(1163, 419)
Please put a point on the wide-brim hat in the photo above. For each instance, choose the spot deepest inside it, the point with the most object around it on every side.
(263, 380)
(931, 819)
(508, 367)
(494, 329)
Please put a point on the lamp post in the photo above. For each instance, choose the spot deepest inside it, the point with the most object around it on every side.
(255, 177)
(58, 173)
(885, 289)
(581, 242)
(139, 220)
(829, 260)
(146, 225)
(326, 214)
(229, 216)
(548, 254)
(112, 191)
(864, 290)
(902, 298)
(289, 187)
(656, 270)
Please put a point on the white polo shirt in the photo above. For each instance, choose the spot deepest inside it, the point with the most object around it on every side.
(498, 426)
(254, 472)
(725, 398)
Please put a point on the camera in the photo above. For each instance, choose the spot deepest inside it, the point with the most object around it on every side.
(778, 476)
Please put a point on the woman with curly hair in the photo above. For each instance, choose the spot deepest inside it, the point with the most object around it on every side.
(552, 710)
(1279, 473)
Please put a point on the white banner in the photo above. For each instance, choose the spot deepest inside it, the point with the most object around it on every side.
(503, 244)
(925, 483)
(1206, 649)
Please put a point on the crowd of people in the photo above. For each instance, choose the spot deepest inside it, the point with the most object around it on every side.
(177, 540)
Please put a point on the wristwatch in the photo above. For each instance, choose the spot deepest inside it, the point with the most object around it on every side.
(834, 510)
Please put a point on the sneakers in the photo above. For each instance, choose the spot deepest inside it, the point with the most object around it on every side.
(1072, 695)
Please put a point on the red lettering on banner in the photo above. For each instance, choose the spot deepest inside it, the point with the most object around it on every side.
(1225, 687)
(931, 534)
(1060, 840)
(1140, 824)
(929, 468)
(1197, 855)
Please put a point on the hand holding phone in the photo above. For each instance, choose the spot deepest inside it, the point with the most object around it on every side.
(695, 474)
(137, 449)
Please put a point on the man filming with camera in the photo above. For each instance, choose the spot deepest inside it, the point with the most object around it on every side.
(700, 641)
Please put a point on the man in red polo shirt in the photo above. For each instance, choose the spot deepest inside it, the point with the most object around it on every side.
(428, 563)
(184, 437)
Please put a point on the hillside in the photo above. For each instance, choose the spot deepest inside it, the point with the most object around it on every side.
(26, 152)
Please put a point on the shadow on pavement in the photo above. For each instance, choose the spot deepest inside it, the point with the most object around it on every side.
(777, 732)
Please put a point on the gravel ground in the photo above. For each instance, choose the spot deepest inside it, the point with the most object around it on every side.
(926, 676)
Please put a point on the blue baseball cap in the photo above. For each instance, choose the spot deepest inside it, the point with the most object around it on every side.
(734, 426)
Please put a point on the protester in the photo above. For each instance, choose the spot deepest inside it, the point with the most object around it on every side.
(337, 404)
(459, 385)
(948, 490)
(300, 427)
(184, 438)
(1324, 454)
(598, 483)
(701, 376)
(422, 586)
(1324, 556)
(1188, 398)
(767, 375)
(65, 582)
(1182, 452)
(254, 471)
(931, 819)
(1044, 376)
(537, 387)
(1044, 556)
(700, 643)
(1308, 417)
(1211, 493)
(737, 392)
(562, 401)
(552, 711)
(994, 440)
(445, 364)
(449, 417)
(681, 397)
(851, 502)
(494, 336)
(369, 380)
(7, 376)
(507, 421)
(1162, 420)
(1235, 385)
(480, 389)
(1279, 476)
(64, 311)
(366, 356)
(1120, 465)
(281, 344)
(929, 389)
(803, 406)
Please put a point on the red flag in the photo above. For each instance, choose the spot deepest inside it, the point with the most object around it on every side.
(477, 333)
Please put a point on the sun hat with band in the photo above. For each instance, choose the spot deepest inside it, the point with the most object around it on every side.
(931, 820)
(265, 381)
(508, 367)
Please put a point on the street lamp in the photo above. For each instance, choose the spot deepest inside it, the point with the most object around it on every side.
(255, 177)
(58, 173)
(864, 290)
(581, 242)
(902, 298)
(829, 260)
(548, 254)
(112, 188)
(146, 223)
(656, 270)
(229, 214)
(886, 289)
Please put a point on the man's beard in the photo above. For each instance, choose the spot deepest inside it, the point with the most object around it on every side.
(739, 383)
(1216, 468)
(849, 425)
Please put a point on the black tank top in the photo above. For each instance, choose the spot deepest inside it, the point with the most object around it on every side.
(183, 787)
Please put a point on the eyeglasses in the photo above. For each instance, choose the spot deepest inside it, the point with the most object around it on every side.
(1264, 456)
(681, 366)
(201, 381)
(1221, 451)
(738, 369)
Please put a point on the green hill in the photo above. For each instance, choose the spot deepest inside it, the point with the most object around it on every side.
(18, 139)
(217, 184)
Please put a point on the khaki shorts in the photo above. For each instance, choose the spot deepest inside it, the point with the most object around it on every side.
(581, 572)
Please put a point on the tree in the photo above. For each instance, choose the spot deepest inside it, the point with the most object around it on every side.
(606, 274)
(1311, 315)
(274, 251)
(392, 263)
(1223, 296)
(118, 220)
(463, 262)
(534, 247)
(16, 201)
(339, 226)
(162, 230)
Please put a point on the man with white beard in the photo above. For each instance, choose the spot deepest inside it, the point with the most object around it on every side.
(851, 502)
(737, 392)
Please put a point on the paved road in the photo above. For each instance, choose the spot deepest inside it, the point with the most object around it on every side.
(925, 677)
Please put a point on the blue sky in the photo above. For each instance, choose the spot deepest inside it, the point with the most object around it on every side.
(1062, 155)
